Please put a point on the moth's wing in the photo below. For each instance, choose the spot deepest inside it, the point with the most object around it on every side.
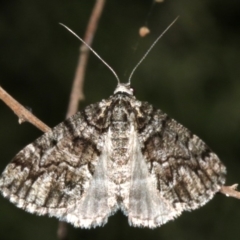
(173, 170)
(147, 207)
(62, 174)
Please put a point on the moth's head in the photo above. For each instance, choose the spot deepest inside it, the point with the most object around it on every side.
(124, 87)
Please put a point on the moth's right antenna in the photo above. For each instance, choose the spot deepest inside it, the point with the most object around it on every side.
(144, 56)
(92, 51)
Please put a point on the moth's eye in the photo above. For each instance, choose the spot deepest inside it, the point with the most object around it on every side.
(133, 90)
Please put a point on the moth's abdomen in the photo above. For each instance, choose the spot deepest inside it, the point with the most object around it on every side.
(120, 142)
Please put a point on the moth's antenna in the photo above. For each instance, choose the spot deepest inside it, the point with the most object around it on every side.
(92, 51)
(145, 55)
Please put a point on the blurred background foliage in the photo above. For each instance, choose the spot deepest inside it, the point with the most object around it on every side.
(193, 74)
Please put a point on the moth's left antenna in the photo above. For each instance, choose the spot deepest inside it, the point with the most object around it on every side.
(114, 73)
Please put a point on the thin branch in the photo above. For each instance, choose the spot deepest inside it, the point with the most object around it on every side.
(77, 87)
(22, 113)
(230, 191)
(62, 230)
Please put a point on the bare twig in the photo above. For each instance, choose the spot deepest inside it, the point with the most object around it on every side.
(22, 113)
(77, 87)
(62, 230)
(230, 191)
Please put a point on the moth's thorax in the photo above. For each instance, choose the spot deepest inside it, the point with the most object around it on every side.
(124, 87)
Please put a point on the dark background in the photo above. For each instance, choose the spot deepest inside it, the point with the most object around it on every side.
(193, 74)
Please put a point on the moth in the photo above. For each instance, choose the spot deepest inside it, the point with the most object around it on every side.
(117, 154)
